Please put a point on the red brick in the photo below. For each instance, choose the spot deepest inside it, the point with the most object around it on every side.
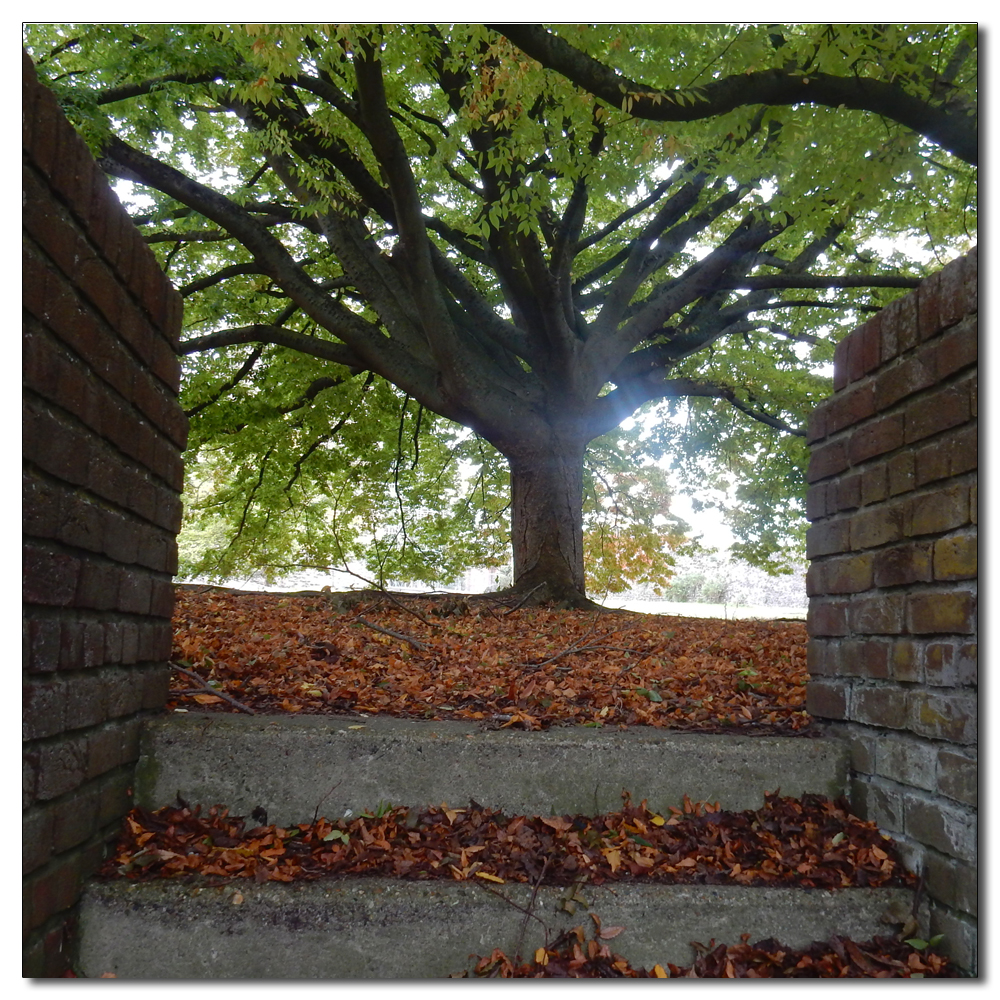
(169, 512)
(161, 602)
(827, 618)
(967, 664)
(47, 131)
(113, 639)
(874, 484)
(958, 348)
(937, 512)
(907, 376)
(93, 644)
(941, 611)
(971, 284)
(83, 525)
(821, 658)
(849, 408)
(875, 438)
(847, 575)
(827, 699)
(827, 460)
(156, 688)
(44, 221)
(956, 557)
(872, 351)
(48, 577)
(43, 709)
(865, 658)
(951, 300)
(902, 326)
(880, 706)
(42, 503)
(815, 501)
(929, 307)
(940, 669)
(901, 473)
(827, 537)
(71, 646)
(122, 538)
(66, 177)
(944, 715)
(847, 492)
(61, 766)
(933, 461)
(172, 320)
(43, 644)
(29, 97)
(906, 661)
(86, 700)
(958, 776)
(75, 819)
(882, 615)
(155, 641)
(902, 564)
(937, 412)
(36, 838)
(877, 525)
(134, 592)
(863, 352)
(53, 889)
(98, 585)
(55, 446)
(143, 498)
(841, 371)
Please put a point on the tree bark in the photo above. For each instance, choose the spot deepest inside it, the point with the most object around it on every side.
(547, 521)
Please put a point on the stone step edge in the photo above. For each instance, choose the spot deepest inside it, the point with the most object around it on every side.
(350, 928)
(290, 766)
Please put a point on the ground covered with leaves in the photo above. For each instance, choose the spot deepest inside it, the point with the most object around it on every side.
(573, 956)
(486, 660)
(807, 842)
(812, 842)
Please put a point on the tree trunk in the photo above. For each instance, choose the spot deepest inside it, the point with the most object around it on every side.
(547, 522)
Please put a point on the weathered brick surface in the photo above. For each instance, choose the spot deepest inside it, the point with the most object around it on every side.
(893, 544)
(101, 477)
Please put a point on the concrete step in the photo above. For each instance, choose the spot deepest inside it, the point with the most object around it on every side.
(293, 766)
(352, 927)
(375, 928)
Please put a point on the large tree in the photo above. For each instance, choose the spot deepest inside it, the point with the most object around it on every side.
(532, 233)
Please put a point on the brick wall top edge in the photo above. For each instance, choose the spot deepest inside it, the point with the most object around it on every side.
(71, 174)
(956, 284)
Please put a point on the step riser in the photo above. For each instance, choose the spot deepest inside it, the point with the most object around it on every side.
(289, 766)
(387, 929)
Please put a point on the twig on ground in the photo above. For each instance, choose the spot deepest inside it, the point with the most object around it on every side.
(530, 911)
(322, 800)
(205, 686)
(415, 643)
(581, 646)
(523, 599)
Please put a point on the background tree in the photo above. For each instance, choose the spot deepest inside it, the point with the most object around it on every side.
(385, 232)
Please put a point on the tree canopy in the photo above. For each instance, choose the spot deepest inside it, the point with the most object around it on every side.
(409, 252)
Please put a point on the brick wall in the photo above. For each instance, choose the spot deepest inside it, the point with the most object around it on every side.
(102, 473)
(893, 581)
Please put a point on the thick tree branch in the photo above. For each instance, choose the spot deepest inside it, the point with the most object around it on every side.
(113, 94)
(263, 333)
(956, 131)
